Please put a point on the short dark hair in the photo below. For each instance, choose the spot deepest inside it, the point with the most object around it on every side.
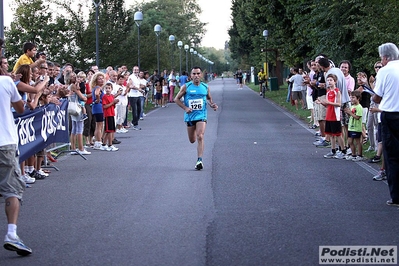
(357, 94)
(324, 62)
(28, 46)
(196, 67)
(346, 62)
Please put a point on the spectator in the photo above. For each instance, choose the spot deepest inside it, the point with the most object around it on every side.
(89, 123)
(30, 51)
(387, 95)
(11, 186)
(96, 84)
(4, 64)
(134, 93)
(77, 120)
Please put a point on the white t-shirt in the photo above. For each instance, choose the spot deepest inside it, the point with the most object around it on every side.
(387, 86)
(136, 83)
(8, 94)
(171, 80)
(143, 81)
(122, 98)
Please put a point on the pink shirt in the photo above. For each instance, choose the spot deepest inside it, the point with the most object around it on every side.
(350, 83)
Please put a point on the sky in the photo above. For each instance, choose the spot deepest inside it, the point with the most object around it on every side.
(216, 13)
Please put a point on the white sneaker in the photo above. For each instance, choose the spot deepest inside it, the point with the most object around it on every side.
(84, 152)
(103, 147)
(349, 151)
(27, 179)
(40, 171)
(16, 244)
(97, 145)
(124, 130)
(118, 131)
(112, 148)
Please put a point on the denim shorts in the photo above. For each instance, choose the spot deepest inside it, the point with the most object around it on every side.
(10, 183)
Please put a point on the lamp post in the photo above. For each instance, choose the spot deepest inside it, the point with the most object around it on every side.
(138, 18)
(180, 45)
(195, 53)
(186, 49)
(157, 30)
(191, 56)
(172, 41)
(97, 5)
(265, 34)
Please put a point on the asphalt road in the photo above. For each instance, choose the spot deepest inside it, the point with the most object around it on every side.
(266, 195)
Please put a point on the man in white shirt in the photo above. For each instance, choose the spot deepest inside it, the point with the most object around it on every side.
(387, 95)
(11, 186)
(134, 93)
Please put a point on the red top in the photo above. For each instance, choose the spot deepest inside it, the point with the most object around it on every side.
(88, 92)
(331, 112)
(110, 111)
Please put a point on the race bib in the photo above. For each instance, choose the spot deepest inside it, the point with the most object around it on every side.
(196, 104)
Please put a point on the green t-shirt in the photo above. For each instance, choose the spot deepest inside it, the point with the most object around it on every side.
(356, 124)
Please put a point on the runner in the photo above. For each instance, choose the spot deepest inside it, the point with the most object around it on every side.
(196, 94)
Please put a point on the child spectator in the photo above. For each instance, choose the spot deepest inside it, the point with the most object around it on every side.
(333, 117)
(355, 127)
(109, 103)
(158, 95)
(120, 92)
(165, 92)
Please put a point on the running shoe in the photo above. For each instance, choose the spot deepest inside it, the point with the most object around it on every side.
(199, 165)
(16, 244)
(329, 155)
(381, 176)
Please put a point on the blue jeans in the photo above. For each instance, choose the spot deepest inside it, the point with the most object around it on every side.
(142, 100)
(390, 143)
(136, 109)
(289, 94)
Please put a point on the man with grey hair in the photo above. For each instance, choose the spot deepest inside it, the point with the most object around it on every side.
(387, 95)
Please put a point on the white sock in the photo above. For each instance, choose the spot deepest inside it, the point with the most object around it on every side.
(12, 230)
(31, 168)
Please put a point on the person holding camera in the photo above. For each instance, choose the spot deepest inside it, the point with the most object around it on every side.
(30, 51)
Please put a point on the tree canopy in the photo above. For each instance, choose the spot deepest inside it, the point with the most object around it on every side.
(301, 29)
(66, 31)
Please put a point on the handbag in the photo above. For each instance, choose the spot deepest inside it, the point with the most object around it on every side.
(74, 107)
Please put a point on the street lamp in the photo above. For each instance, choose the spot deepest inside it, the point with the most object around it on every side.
(97, 5)
(195, 53)
(157, 30)
(172, 41)
(265, 34)
(186, 48)
(191, 56)
(180, 45)
(138, 18)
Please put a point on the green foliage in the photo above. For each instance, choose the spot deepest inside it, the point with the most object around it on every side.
(66, 31)
(301, 29)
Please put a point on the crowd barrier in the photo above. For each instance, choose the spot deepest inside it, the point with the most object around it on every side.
(39, 128)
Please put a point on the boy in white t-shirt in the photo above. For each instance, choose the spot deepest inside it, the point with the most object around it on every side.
(119, 92)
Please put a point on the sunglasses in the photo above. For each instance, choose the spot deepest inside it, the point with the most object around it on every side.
(378, 66)
(196, 73)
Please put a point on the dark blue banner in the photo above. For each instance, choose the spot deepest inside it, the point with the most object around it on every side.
(41, 127)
